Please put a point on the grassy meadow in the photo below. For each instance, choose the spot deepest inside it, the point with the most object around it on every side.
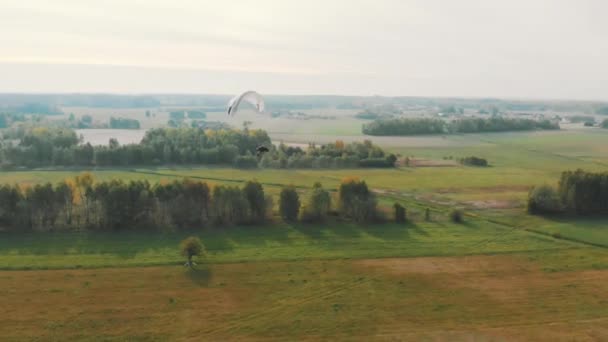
(502, 275)
(276, 243)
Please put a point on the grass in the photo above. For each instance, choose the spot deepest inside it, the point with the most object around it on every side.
(504, 297)
(589, 230)
(502, 275)
(247, 244)
(519, 161)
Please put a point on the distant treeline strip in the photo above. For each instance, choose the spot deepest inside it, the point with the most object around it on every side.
(418, 126)
(43, 147)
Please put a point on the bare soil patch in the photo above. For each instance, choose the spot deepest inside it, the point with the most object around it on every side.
(447, 265)
(493, 204)
(421, 162)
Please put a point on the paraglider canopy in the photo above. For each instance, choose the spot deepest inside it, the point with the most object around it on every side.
(251, 97)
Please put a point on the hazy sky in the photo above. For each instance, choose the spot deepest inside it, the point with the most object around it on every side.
(502, 48)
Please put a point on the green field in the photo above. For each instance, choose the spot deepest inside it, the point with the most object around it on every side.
(518, 162)
(283, 242)
(502, 275)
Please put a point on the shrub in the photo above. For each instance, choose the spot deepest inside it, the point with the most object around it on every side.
(289, 203)
(474, 161)
(543, 200)
(457, 216)
(427, 214)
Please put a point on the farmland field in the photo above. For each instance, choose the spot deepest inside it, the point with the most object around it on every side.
(303, 171)
(300, 242)
(499, 297)
(502, 275)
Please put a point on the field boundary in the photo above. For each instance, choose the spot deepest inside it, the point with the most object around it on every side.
(567, 238)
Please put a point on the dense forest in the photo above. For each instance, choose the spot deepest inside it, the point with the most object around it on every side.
(81, 203)
(417, 126)
(578, 192)
(42, 147)
(584, 192)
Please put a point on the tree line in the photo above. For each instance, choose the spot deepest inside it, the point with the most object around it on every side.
(124, 123)
(578, 192)
(82, 203)
(40, 147)
(332, 155)
(355, 202)
(417, 126)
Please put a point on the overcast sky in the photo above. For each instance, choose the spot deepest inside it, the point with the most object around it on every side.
(474, 48)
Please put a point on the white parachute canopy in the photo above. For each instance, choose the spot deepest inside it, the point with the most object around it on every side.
(249, 96)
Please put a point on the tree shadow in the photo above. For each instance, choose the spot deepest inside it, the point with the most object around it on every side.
(469, 224)
(260, 235)
(348, 231)
(218, 241)
(388, 231)
(312, 230)
(417, 229)
(200, 275)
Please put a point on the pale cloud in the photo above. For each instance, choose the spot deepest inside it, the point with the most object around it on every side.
(516, 48)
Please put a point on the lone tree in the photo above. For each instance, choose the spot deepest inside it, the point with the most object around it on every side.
(191, 246)
(457, 216)
(289, 204)
(400, 214)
